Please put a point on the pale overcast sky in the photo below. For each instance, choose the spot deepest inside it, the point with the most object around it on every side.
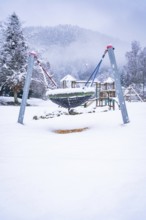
(123, 19)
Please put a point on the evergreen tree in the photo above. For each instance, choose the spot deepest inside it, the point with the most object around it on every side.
(13, 57)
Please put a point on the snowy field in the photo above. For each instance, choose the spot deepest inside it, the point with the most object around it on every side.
(99, 173)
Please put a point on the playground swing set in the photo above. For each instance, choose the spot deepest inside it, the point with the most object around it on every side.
(73, 97)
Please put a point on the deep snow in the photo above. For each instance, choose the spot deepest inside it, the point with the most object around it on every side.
(99, 173)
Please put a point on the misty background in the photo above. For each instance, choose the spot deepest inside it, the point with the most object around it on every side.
(110, 21)
(73, 35)
(120, 19)
(116, 22)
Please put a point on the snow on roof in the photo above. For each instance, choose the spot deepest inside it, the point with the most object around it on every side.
(97, 81)
(109, 80)
(68, 77)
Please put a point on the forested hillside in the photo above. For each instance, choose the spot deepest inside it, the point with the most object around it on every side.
(71, 49)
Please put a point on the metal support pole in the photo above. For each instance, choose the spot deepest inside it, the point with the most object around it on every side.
(119, 91)
(26, 87)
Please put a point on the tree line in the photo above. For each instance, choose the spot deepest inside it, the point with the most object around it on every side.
(14, 55)
(134, 71)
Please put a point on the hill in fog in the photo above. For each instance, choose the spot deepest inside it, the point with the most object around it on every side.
(71, 49)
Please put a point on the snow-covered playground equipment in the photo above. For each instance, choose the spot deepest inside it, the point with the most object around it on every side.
(75, 97)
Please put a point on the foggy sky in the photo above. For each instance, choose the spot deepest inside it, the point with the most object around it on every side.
(121, 19)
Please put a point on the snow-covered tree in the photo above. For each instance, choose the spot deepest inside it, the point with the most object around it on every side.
(143, 69)
(13, 56)
(1, 41)
(132, 68)
(39, 83)
(1, 33)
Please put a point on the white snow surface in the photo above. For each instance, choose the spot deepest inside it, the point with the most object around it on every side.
(70, 90)
(99, 173)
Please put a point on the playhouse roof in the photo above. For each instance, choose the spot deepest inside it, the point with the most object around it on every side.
(68, 77)
(109, 80)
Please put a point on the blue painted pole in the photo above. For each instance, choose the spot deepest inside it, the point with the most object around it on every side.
(26, 87)
(119, 91)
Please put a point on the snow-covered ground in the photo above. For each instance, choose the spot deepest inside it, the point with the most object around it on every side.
(99, 173)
